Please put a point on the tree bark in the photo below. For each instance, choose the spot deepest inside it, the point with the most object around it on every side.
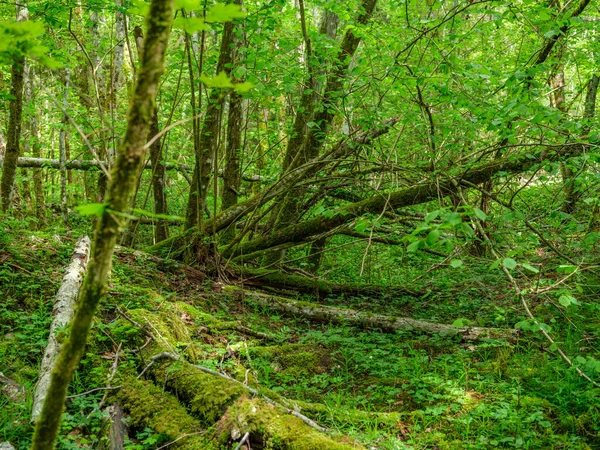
(13, 134)
(64, 309)
(122, 183)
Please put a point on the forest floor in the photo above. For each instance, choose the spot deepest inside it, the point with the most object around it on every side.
(369, 389)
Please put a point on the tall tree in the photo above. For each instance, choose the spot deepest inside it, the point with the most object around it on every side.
(13, 134)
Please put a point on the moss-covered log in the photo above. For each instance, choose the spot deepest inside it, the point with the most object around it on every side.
(271, 428)
(391, 324)
(150, 407)
(123, 179)
(319, 288)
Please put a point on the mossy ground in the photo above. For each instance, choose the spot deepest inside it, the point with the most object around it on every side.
(387, 391)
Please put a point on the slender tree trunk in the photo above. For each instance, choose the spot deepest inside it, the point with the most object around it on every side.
(233, 146)
(62, 145)
(209, 133)
(158, 181)
(13, 134)
(32, 145)
(123, 178)
(158, 169)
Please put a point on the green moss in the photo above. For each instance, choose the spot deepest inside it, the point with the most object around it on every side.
(276, 429)
(148, 406)
(207, 396)
(294, 359)
(199, 317)
(168, 328)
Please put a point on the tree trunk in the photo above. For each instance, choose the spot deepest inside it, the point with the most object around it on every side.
(13, 133)
(62, 146)
(123, 179)
(32, 145)
(209, 133)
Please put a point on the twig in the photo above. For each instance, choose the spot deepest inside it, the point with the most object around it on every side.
(107, 388)
(180, 438)
(244, 439)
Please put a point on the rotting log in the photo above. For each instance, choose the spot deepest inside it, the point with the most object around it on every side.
(317, 287)
(209, 395)
(64, 309)
(150, 407)
(268, 428)
(390, 324)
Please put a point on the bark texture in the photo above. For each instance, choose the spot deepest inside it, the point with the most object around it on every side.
(122, 183)
(64, 309)
(13, 133)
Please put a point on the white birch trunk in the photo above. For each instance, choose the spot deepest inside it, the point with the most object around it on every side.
(64, 308)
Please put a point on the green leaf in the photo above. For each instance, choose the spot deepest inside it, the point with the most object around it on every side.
(139, 8)
(221, 80)
(188, 5)
(190, 24)
(432, 216)
(361, 226)
(565, 268)
(530, 268)
(91, 209)
(245, 86)
(432, 237)
(225, 12)
(454, 218)
(414, 246)
(509, 263)
(553, 347)
(456, 263)
(461, 323)
(480, 214)
(567, 300)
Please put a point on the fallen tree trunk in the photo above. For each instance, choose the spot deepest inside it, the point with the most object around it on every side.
(64, 307)
(317, 287)
(422, 193)
(88, 164)
(390, 324)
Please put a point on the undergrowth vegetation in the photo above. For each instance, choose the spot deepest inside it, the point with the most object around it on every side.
(387, 391)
